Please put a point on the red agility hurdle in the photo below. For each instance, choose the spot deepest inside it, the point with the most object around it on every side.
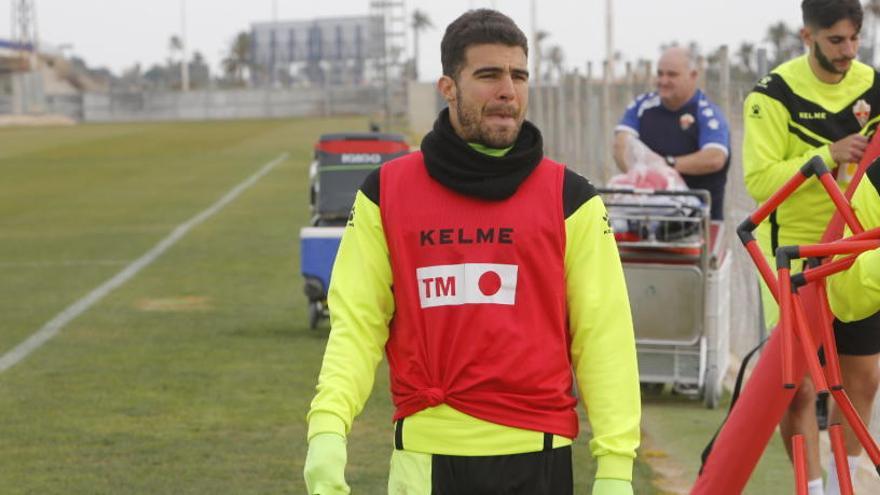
(791, 352)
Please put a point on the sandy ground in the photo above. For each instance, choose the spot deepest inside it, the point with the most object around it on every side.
(35, 120)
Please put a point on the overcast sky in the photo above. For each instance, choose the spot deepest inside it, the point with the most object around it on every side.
(118, 33)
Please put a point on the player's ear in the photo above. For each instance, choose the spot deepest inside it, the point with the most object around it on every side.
(446, 86)
(806, 35)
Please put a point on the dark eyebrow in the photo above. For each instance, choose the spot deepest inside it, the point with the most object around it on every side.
(495, 70)
(488, 70)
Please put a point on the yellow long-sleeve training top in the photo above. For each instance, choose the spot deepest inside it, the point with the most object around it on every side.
(602, 347)
(789, 117)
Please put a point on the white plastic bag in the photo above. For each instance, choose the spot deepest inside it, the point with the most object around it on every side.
(644, 215)
(648, 170)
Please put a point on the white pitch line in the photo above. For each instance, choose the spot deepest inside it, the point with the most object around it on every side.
(55, 325)
(49, 264)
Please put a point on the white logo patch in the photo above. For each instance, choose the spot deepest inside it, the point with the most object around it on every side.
(468, 283)
(361, 158)
(713, 124)
(862, 111)
(708, 112)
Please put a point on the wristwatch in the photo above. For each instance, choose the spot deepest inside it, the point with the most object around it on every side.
(670, 160)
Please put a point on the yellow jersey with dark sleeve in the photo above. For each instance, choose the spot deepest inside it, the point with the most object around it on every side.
(789, 117)
(855, 294)
(602, 344)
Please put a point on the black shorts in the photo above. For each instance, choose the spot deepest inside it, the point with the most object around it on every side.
(858, 338)
(547, 472)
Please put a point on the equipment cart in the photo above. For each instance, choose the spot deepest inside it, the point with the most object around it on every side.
(677, 270)
(341, 163)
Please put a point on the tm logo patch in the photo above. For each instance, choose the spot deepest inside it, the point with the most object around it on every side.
(467, 283)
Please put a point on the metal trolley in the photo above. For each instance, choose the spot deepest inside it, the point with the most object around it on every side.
(677, 270)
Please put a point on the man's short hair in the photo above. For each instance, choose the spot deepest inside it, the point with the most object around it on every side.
(825, 13)
(477, 27)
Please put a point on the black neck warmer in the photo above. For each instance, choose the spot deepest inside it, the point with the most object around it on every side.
(453, 163)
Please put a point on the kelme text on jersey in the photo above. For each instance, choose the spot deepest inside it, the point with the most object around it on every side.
(479, 235)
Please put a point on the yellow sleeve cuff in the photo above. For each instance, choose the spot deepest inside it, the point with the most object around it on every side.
(612, 466)
(324, 422)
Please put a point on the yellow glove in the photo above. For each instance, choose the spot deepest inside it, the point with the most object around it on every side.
(608, 486)
(325, 465)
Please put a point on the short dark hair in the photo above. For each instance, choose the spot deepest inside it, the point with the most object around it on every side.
(477, 27)
(825, 13)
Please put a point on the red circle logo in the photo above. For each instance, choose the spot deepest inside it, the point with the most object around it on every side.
(490, 283)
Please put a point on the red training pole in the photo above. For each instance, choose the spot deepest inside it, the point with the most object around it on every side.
(832, 360)
(841, 203)
(786, 326)
(838, 448)
(799, 454)
(857, 425)
(803, 333)
(752, 422)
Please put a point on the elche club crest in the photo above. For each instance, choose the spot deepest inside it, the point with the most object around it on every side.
(862, 111)
(467, 283)
(686, 121)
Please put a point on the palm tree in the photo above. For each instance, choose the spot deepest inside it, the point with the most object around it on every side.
(239, 57)
(174, 46)
(420, 22)
(540, 36)
(744, 53)
(785, 42)
(556, 57)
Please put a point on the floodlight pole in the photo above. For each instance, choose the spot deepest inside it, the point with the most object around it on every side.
(274, 65)
(184, 63)
(609, 38)
(24, 34)
(394, 25)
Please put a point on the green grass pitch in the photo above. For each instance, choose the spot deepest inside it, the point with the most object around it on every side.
(195, 375)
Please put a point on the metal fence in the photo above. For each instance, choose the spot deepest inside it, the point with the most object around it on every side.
(6, 104)
(222, 104)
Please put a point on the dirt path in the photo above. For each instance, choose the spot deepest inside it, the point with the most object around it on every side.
(671, 476)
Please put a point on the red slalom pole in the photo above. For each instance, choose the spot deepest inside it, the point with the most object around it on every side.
(808, 347)
(838, 448)
(752, 422)
(858, 426)
(841, 202)
(778, 197)
(799, 454)
(835, 248)
(835, 226)
(786, 326)
(832, 361)
(763, 267)
(814, 274)
(868, 234)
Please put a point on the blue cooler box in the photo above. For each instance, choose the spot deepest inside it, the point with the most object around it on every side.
(318, 247)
